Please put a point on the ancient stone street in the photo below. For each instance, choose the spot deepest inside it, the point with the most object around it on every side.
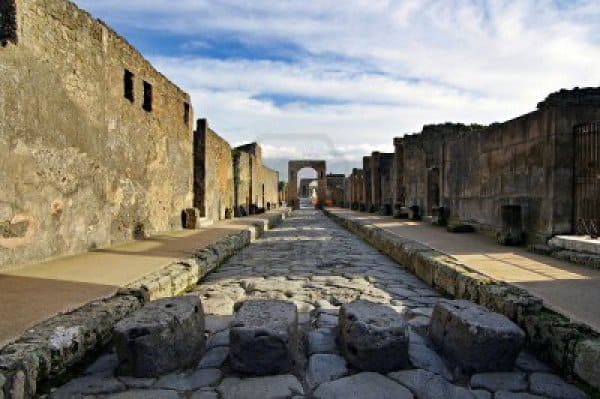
(314, 264)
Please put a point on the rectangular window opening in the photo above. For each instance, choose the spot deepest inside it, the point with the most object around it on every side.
(186, 113)
(147, 97)
(8, 22)
(128, 85)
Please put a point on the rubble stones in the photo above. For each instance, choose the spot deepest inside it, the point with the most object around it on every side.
(366, 385)
(165, 335)
(475, 338)
(264, 337)
(373, 337)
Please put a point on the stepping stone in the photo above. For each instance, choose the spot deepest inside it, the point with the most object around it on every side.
(270, 387)
(366, 385)
(507, 381)
(427, 385)
(477, 339)
(163, 336)
(552, 386)
(264, 337)
(324, 368)
(373, 337)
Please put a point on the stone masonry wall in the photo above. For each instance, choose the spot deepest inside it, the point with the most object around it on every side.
(262, 182)
(83, 166)
(213, 165)
(473, 170)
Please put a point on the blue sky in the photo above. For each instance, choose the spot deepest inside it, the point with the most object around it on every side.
(337, 80)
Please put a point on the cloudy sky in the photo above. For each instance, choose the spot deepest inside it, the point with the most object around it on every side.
(339, 79)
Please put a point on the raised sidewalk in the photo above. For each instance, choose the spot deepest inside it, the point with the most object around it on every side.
(554, 301)
(34, 293)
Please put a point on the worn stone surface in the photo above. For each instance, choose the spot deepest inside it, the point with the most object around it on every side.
(323, 368)
(373, 337)
(552, 386)
(474, 337)
(516, 395)
(143, 394)
(269, 387)
(500, 381)
(421, 356)
(165, 335)
(427, 385)
(189, 381)
(340, 269)
(587, 359)
(527, 362)
(365, 385)
(214, 357)
(264, 337)
(90, 385)
(321, 340)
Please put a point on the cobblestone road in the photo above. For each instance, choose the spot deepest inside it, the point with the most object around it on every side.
(317, 265)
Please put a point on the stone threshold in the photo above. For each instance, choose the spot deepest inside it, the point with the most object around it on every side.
(573, 348)
(575, 249)
(50, 350)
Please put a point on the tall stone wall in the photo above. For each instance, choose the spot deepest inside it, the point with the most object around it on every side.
(213, 174)
(335, 189)
(258, 184)
(473, 171)
(366, 194)
(84, 166)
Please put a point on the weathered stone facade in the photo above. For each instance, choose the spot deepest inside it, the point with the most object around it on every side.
(335, 189)
(294, 167)
(381, 182)
(93, 163)
(213, 174)
(470, 172)
(256, 186)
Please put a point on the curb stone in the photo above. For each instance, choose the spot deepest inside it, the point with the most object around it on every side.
(50, 349)
(573, 348)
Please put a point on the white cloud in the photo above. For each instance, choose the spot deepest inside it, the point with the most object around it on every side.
(367, 70)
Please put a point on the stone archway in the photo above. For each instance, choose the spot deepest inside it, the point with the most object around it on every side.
(294, 167)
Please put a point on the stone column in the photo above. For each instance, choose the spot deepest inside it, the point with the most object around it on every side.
(366, 204)
(375, 182)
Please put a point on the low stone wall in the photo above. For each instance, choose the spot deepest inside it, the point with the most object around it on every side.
(49, 350)
(573, 348)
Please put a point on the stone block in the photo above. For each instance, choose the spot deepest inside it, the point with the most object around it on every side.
(270, 387)
(264, 337)
(165, 335)
(373, 337)
(552, 386)
(428, 385)
(475, 338)
(587, 361)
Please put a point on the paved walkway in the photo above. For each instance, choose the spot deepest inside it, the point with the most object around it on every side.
(34, 293)
(319, 266)
(567, 288)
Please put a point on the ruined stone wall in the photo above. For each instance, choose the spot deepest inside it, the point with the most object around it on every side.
(397, 184)
(213, 166)
(474, 170)
(386, 163)
(270, 179)
(83, 166)
(335, 189)
(242, 170)
(260, 183)
(527, 161)
(366, 194)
